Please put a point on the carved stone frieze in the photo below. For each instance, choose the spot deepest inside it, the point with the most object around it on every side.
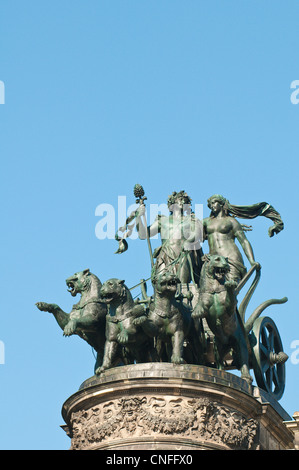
(198, 419)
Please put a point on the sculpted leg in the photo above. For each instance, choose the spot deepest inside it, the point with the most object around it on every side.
(177, 348)
(109, 355)
(201, 309)
(219, 354)
(198, 311)
(70, 328)
(61, 317)
(245, 374)
(149, 328)
(99, 362)
(243, 360)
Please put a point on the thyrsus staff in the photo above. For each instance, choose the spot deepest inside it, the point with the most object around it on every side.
(127, 229)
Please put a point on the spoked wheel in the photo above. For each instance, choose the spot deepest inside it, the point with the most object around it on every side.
(269, 358)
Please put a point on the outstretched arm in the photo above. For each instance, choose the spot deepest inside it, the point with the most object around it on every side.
(141, 229)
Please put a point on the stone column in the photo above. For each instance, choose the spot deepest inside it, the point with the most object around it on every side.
(162, 406)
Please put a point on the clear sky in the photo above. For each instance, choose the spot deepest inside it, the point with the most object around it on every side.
(100, 95)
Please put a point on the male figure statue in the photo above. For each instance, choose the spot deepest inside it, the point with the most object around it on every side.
(181, 234)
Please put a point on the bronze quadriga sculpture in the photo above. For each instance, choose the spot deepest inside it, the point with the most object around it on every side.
(203, 324)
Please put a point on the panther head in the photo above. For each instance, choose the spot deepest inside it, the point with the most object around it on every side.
(166, 283)
(79, 282)
(217, 266)
(114, 291)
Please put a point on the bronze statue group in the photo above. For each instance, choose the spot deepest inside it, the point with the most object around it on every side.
(193, 316)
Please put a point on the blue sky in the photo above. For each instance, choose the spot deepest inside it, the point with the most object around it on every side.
(100, 95)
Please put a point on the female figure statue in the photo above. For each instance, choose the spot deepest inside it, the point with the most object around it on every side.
(221, 229)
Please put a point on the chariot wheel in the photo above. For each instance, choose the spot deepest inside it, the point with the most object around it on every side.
(268, 357)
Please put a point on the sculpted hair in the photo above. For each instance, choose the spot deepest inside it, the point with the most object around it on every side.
(250, 212)
(175, 196)
(222, 200)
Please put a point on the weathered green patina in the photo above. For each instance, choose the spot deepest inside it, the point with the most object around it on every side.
(126, 342)
(169, 321)
(88, 316)
(193, 315)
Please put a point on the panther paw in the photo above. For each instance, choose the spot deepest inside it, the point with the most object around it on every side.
(177, 359)
(123, 337)
(44, 307)
(231, 284)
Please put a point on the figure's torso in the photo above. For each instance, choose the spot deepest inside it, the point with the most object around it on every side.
(220, 233)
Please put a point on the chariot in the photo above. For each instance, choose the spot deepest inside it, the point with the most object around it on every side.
(213, 330)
